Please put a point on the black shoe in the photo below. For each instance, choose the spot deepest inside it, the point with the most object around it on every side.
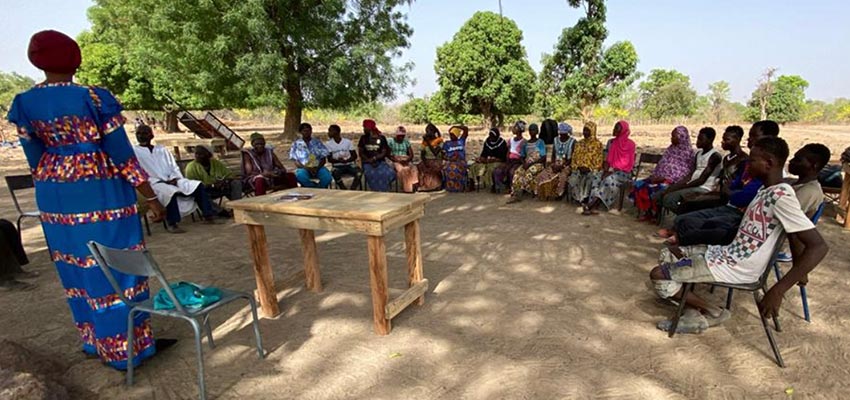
(162, 344)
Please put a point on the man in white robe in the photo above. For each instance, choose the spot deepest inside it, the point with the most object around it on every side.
(180, 195)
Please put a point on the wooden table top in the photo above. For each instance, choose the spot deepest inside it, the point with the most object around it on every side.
(343, 204)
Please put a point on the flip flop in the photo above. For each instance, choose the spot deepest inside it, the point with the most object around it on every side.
(690, 322)
(664, 233)
(714, 321)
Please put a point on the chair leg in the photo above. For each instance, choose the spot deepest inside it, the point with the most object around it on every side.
(711, 289)
(679, 310)
(729, 299)
(256, 323)
(130, 339)
(20, 217)
(147, 224)
(777, 271)
(208, 328)
(770, 338)
(200, 353)
(805, 304)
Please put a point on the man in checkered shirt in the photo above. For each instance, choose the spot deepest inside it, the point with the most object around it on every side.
(773, 213)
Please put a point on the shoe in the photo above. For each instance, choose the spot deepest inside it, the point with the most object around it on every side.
(174, 229)
(784, 257)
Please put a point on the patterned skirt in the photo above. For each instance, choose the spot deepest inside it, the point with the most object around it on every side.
(408, 176)
(430, 175)
(378, 177)
(551, 184)
(608, 189)
(484, 172)
(455, 174)
(503, 175)
(580, 185)
(526, 179)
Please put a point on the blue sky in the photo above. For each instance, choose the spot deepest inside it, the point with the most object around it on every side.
(709, 40)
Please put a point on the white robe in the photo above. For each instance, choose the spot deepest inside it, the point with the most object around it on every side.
(161, 167)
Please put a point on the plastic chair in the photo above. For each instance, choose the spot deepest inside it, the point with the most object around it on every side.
(140, 262)
(645, 158)
(786, 258)
(754, 287)
(21, 182)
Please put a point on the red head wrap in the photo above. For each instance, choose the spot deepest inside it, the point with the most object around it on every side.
(53, 51)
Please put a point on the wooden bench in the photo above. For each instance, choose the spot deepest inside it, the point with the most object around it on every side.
(189, 142)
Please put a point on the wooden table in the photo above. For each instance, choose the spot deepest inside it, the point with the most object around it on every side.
(844, 199)
(369, 213)
(178, 141)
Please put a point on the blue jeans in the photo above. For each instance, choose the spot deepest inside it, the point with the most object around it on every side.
(717, 225)
(304, 177)
(172, 211)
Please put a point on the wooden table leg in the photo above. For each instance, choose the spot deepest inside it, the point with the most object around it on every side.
(177, 153)
(378, 279)
(313, 276)
(414, 256)
(266, 292)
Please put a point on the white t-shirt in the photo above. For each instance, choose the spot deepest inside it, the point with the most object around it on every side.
(341, 150)
(774, 211)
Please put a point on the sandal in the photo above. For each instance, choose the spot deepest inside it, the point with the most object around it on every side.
(690, 322)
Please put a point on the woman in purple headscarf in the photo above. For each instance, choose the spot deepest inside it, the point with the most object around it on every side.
(674, 165)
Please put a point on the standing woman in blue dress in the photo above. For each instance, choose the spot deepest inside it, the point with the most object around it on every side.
(85, 177)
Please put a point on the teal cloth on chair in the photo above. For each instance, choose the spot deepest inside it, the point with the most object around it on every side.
(189, 295)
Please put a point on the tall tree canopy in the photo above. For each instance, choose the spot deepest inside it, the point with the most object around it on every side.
(484, 69)
(231, 53)
(11, 84)
(667, 93)
(581, 69)
(785, 102)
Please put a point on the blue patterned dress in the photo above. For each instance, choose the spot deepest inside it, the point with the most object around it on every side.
(85, 173)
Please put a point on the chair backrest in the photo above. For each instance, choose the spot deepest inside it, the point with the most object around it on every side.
(645, 158)
(130, 262)
(818, 213)
(182, 165)
(18, 182)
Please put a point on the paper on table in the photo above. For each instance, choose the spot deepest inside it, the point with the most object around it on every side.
(294, 196)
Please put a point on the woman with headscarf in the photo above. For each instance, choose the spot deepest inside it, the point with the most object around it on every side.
(401, 156)
(262, 170)
(616, 170)
(552, 182)
(525, 177)
(86, 177)
(674, 165)
(588, 158)
(432, 154)
(374, 150)
(493, 155)
(455, 168)
(504, 175)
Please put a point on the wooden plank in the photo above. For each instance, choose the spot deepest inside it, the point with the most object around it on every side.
(344, 204)
(263, 273)
(402, 220)
(413, 247)
(398, 304)
(844, 198)
(304, 222)
(311, 260)
(378, 281)
(294, 278)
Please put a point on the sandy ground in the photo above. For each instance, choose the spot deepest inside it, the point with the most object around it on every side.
(529, 300)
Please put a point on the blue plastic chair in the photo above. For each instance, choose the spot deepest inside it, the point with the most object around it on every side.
(786, 258)
(141, 263)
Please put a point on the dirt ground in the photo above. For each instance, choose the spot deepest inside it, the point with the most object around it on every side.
(526, 301)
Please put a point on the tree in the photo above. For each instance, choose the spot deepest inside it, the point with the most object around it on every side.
(667, 93)
(229, 53)
(581, 69)
(11, 84)
(718, 101)
(785, 103)
(484, 69)
(415, 111)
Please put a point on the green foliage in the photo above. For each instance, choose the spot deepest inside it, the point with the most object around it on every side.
(229, 53)
(10, 85)
(581, 69)
(415, 111)
(786, 100)
(717, 107)
(666, 94)
(484, 69)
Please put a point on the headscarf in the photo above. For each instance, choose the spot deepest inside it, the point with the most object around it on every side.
(53, 51)
(494, 139)
(520, 125)
(371, 126)
(455, 130)
(588, 151)
(676, 162)
(207, 148)
(621, 155)
(256, 136)
(565, 128)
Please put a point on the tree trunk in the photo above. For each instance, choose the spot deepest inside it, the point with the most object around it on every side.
(171, 121)
(490, 118)
(294, 107)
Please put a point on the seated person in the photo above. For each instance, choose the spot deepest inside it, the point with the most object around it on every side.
(494, 153)
(172, 189)
(401, 157)
(616, 170)
(455, 169)
(262, 170)
(588, 157)
(552, 182)
(806, 165)
(503, 175)
(432, 154)
(310, 156)
(342, 157)
(720, 224)
(674, 165)
(374, 151)
(217, 178)
(704, 173)
(773, 213)
(12, 257)
(525, 177)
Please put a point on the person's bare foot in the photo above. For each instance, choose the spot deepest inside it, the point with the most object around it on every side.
(26, 275)
(664, 233)
(174, 229)
(672, 241)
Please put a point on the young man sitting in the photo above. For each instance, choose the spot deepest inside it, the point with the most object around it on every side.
(310, 156)
(704, 176)
(774, 213)
(342, 157)
(718, 225)
(218, 179)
